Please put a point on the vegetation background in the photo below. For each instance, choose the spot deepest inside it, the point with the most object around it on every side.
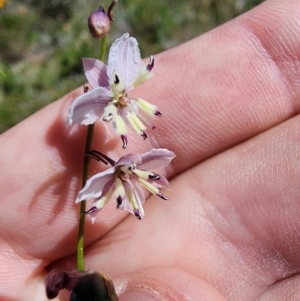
(42, 42)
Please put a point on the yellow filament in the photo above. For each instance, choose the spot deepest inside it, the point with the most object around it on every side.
(135, 122)
(146, 107)
(148, 186)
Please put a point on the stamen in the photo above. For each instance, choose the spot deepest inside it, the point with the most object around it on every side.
(110, 112)
(86, 89)
(95, 156)
(109, 117)
(124, 140)
(149, 186)
(137, 214)
(151, 63)
(143, 174)
(146, 107)
(117, 80)
(101, 157)
(157, 113)
(154, 177)
(92, 210)
(119, 201)
(146, 120)
(132, 166)
(120, 126)
(144, 135)
(136, 124)
(163, 196)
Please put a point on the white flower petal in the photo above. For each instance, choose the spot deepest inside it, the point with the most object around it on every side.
(156, 158)
(94, 186)
(161, 183)
(95, 72)
(128, 159)
(88, 107)
(125, 61)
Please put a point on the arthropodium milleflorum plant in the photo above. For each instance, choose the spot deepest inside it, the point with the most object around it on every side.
(111, 83)
(124, 181)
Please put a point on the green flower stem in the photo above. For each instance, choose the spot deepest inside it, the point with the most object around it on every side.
(103, 48)
(88, 145)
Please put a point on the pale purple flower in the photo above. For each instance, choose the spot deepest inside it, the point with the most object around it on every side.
(111, 83)
(124, 181)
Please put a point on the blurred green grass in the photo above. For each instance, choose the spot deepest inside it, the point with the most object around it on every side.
(42, 42)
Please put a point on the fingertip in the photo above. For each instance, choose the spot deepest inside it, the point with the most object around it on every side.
(164, 284)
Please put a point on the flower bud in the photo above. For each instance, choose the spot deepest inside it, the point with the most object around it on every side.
(99, 23)
(84, 285)
(96, 287)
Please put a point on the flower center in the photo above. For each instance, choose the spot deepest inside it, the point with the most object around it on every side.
(123, 101)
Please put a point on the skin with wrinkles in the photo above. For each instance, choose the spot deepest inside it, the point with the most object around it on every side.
(231, 230)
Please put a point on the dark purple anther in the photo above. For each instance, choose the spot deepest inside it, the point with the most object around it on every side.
(163, 196)
(157, 113)
(154, 177)
(117, 80)
(151, 63)
(144, 135)
(119, 201)
(137, 214)
(100, 157)
(124, 140)
(92, 210)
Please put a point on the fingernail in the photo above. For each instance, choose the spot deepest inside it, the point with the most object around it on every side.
(139, 295)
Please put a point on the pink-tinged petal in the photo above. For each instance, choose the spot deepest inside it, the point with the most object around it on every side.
(125, 61)
(107, 186)
(95, 72)
(88, 107)
(95, 185)
(128, 159)
(156, 158)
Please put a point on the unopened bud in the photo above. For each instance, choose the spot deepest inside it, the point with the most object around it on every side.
(84, 285)
(96, 287)
(99, 23)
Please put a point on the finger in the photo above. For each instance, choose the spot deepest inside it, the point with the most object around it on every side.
(227, 85)
(285, 290)
(164, 284)
(232, 220)
(208, 114)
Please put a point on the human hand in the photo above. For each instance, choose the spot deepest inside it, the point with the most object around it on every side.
(230, 100)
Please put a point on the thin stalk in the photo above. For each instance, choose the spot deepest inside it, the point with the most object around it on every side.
(88, 145)
(103, 48)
